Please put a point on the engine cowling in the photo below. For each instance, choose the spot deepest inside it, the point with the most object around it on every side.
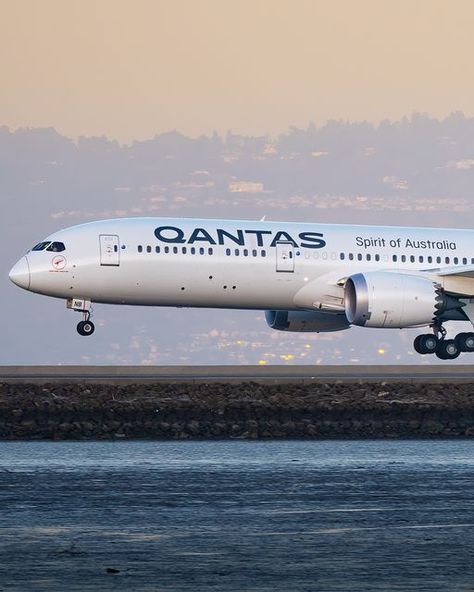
(397, 300)
(305, 321)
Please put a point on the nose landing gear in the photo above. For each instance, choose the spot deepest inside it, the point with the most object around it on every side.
(445, 349)
(85, 327)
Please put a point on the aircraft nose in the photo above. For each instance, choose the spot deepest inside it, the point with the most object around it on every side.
(20, 273)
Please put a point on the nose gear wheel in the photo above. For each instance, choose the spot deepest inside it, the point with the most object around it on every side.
(85, 328)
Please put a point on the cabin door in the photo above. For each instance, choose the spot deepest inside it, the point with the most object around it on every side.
(285, 256)
(109, 249)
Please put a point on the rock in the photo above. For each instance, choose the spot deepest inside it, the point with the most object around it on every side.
(181, 411)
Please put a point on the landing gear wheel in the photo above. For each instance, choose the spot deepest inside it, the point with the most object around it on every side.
(447, 349)
(465, 342)
(416, 344)
(426, 344)
(85, 328)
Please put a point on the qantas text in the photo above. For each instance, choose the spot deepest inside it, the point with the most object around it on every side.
(219, 236)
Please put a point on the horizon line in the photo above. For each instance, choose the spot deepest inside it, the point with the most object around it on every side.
(311, 124)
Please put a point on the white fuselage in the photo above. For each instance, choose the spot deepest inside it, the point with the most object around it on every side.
(233, 264)
(308, 277)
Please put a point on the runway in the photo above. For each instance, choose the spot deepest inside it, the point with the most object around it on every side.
(442, 373)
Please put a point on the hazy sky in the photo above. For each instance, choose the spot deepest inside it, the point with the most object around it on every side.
(133, 68)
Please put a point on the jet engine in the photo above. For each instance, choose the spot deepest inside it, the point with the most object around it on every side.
(397, 300)
(305, 320)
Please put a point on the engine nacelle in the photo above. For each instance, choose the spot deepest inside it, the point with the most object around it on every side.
(305, 321)
(397, 300)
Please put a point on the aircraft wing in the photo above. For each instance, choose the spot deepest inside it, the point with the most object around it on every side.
(460, 270)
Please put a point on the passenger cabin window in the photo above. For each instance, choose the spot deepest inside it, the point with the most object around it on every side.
(41, 246)
(56, 247)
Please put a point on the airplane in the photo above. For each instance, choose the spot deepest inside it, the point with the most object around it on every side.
(306, 276)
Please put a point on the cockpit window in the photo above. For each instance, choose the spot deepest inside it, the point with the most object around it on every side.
(41, 246)
(56, 247)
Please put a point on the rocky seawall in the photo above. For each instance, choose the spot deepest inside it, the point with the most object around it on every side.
(248, 410)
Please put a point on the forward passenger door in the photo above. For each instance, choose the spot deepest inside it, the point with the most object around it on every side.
(109, 249)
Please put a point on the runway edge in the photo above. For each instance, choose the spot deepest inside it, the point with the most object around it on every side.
(237, 374)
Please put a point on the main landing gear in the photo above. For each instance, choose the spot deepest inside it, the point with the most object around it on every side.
(445, 349)
(85, 327)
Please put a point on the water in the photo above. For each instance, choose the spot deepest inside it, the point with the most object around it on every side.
(230, 516)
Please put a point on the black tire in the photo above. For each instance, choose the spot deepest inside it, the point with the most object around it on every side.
(416, 344)
(448, 349)
(465, 342)
(426, 344)
(85, 328)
